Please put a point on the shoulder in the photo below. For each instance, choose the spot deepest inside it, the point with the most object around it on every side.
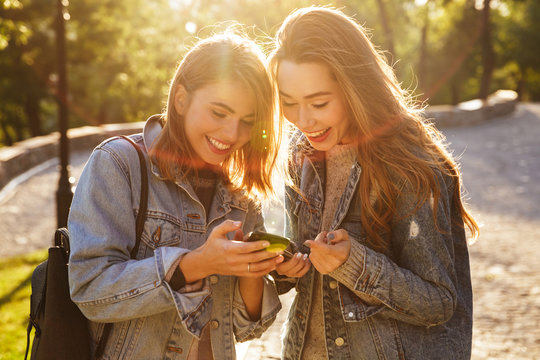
(121, 150)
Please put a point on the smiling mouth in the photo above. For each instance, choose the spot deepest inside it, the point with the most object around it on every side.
(317, 134)
(222, 147)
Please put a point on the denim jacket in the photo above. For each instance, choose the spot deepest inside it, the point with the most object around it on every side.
(151, 320)
(415, 302)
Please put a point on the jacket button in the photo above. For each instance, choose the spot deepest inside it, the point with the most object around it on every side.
(214, 324)
(340, 341)
(175, 349)
(333, 284)
(214, 279)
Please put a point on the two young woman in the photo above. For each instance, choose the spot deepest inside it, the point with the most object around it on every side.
(375, 201)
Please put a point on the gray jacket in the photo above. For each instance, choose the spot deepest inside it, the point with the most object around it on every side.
(152, 321)
(415, 302)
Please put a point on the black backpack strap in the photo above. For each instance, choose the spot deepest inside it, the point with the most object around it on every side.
(143, 202)
(139, 226)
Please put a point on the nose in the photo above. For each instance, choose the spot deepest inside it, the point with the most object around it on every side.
(303, 118)
(230, 130)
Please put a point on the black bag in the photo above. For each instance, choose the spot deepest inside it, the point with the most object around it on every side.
(61, 330)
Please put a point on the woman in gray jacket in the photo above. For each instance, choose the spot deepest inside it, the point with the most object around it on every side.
(375, 200)
(193, 288)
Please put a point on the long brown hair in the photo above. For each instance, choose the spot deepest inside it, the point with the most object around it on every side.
(223, 57)
(396, 146)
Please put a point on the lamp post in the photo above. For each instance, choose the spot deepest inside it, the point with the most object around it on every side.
(64, 195)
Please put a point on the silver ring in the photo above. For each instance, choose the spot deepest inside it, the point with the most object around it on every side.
(249, 265)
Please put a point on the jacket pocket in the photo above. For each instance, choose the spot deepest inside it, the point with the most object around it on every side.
(161, 230)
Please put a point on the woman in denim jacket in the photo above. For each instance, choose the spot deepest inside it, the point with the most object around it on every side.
(375, 201)
(191, 291)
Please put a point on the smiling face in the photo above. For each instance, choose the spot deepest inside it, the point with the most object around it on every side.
(218, 119)
(313, 101)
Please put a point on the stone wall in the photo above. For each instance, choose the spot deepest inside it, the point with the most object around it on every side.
(26, 154)
(474, 111)
(17, 159)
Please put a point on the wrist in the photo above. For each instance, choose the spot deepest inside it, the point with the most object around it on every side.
(193, 267)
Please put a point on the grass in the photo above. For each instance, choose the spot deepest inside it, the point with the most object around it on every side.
(15, 275)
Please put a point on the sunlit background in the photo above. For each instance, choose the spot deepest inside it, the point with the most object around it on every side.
(122, 53)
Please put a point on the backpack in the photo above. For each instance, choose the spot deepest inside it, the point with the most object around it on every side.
(61, 330)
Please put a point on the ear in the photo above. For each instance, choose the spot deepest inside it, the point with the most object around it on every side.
(180, 99)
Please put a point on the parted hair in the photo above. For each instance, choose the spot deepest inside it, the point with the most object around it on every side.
(397, 147)
(223, 57)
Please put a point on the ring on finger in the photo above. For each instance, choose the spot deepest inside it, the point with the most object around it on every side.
(249, 266)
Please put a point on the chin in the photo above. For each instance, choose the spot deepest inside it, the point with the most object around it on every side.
(324, 146)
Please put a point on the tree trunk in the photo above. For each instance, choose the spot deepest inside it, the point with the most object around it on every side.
(454, 88)
(386, 27)
(522, 84)
(31, 107)
(422, 71)
(8, 141)
(488, 54)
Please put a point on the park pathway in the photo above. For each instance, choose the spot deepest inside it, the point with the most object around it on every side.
(501, 165)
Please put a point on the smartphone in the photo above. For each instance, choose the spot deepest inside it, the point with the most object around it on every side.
(277, 243)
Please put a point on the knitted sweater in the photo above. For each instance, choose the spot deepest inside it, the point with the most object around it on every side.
(338, 162)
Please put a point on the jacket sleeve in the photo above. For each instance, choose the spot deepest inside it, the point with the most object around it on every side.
(106, 284)
(419, 287)
(244, 328)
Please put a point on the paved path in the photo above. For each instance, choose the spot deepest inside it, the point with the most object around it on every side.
(501, 165)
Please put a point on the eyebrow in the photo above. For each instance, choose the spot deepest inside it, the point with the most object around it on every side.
(310, 96)
(228, 108)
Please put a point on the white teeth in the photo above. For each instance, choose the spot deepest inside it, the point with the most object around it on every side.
(318, 133)
(219, 145)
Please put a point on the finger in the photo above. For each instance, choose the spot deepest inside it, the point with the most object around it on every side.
(337, 236)
(264, 266)
(310, 244)
(321, 237)
(305, 269)
(239, 235)
(301, 260)
(316, 245)
(285, 267)
(260, 255)
(225, 227)
(248, 247)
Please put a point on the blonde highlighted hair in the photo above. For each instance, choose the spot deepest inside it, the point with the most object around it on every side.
(223, 57)
(396, 146)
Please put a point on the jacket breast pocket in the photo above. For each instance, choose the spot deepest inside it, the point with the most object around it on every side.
(161, 230)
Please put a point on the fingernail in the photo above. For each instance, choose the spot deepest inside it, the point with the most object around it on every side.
(237, 223)
(307, 244)
(265, 244)
(298, 255)
(305, 256)
(331, 236)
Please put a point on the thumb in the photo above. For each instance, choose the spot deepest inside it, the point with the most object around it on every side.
(226, 227)
(238, 235)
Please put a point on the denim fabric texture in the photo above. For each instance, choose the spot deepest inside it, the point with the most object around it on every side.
(413, 302)
(151, 320)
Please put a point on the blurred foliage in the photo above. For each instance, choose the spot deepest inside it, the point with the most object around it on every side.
(122, 53)
(15, 290)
